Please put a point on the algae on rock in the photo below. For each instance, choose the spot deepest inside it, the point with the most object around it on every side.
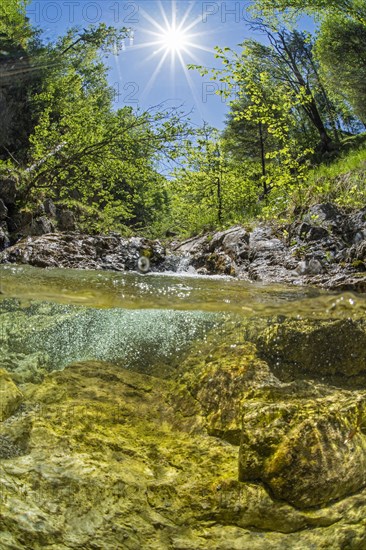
(99, 456)
(316, 347)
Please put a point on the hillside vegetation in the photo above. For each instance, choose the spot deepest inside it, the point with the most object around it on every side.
(294, 134)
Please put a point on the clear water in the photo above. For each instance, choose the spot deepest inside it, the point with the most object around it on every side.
(135, 291)
(51, 318)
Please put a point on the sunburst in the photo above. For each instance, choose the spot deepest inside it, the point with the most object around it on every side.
(174, 41)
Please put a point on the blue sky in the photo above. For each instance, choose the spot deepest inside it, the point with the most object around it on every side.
(133, 73)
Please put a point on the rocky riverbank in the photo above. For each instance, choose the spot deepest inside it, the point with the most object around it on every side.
(326, 248)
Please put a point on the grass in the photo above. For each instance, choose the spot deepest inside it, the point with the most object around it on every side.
(342, 181)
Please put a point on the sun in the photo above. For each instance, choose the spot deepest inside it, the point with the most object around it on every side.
(174, 39)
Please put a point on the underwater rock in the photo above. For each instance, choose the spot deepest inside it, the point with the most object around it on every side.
(308, 449)
(304, 440)
(10, 396)
(315, 347)
(219, 379)
(23, 368)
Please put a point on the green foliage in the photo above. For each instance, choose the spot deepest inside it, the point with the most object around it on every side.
(63, 139)
(342, 181)
(76, 148)
(352, 8)
(18, 78)
(212, 190)
(341, 50)
(14, 26)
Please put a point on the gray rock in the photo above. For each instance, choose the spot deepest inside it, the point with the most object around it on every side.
(4, 238)
(317, 234)
(310, 267)
(324, 212)
(42, 226)
(330, 254)
(236, 243)
(73, 250)
(66, 220)
(49, 208)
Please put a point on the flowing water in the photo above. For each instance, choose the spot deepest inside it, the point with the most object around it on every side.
(51, 318)
(61, 316)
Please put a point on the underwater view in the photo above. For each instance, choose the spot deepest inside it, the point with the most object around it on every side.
(168, 411)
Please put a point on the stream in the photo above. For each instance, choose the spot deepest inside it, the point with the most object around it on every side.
(165, 411)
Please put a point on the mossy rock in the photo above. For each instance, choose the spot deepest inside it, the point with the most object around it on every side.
(218, 378)
(103, 457)
(315, 347)
(307, 449)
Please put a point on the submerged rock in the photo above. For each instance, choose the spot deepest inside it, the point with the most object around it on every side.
(308, 449)
(315, 347)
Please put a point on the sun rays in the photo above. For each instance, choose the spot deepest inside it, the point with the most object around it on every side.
(171, 40)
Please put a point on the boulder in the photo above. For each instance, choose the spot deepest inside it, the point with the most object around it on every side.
(309, 450)
(325, 212)
(42, 226)
(73, 250)
(315, 347)
(304, 441)
(4, 238)
(49, 208)
(66, 220)
(218, 382)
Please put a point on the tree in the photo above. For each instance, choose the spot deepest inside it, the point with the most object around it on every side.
(62, 136)
(211, 189)
(289, 59)
(247, 139)
(341, 51)
(17, 78)
(14, 25)
(355, 9)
